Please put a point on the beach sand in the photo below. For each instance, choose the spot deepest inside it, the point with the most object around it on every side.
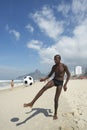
(72, 112)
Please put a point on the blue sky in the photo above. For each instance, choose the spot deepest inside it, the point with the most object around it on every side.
(33, 31)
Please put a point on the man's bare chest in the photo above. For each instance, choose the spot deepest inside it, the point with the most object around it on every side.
(59, 69)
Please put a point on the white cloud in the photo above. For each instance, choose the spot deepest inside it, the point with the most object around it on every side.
(47, 22)
(80, 33)
(79, 10)
(15, 33)
(34, 44)
(79, 6)
(63, 8)
(29, 28)
(74, 12)
(47, 54)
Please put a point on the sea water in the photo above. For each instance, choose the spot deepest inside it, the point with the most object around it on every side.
(6, 84)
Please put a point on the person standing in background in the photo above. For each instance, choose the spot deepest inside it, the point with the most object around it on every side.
(12, 84)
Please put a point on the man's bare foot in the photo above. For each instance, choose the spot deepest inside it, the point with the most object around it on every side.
(55, 117)
(28, 105)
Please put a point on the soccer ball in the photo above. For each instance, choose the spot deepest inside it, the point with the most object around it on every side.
(28, 80)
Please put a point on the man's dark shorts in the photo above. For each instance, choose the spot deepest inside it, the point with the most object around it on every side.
(58, 82)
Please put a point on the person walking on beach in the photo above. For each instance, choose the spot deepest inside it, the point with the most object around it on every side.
(12, 84)
(59, 70)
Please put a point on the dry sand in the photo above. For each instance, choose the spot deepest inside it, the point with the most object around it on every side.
(72, 113)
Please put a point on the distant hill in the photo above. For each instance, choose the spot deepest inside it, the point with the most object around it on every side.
(36, 75)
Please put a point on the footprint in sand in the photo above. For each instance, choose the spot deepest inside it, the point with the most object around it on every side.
(79, 111)
(69, 114)
(67, 128)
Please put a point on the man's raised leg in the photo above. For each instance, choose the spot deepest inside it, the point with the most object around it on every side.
(47, 86)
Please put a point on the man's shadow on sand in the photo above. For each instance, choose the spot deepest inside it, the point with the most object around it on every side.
(46, 112)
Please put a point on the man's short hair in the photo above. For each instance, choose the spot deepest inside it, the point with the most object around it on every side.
(57, 56)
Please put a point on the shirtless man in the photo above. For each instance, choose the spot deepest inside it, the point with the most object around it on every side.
(59, 70)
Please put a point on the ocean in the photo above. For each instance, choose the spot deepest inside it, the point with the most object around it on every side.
(6, 84)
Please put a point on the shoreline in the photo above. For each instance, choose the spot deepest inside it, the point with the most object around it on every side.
(9, 86)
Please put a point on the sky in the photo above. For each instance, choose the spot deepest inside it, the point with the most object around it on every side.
(33, 31)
